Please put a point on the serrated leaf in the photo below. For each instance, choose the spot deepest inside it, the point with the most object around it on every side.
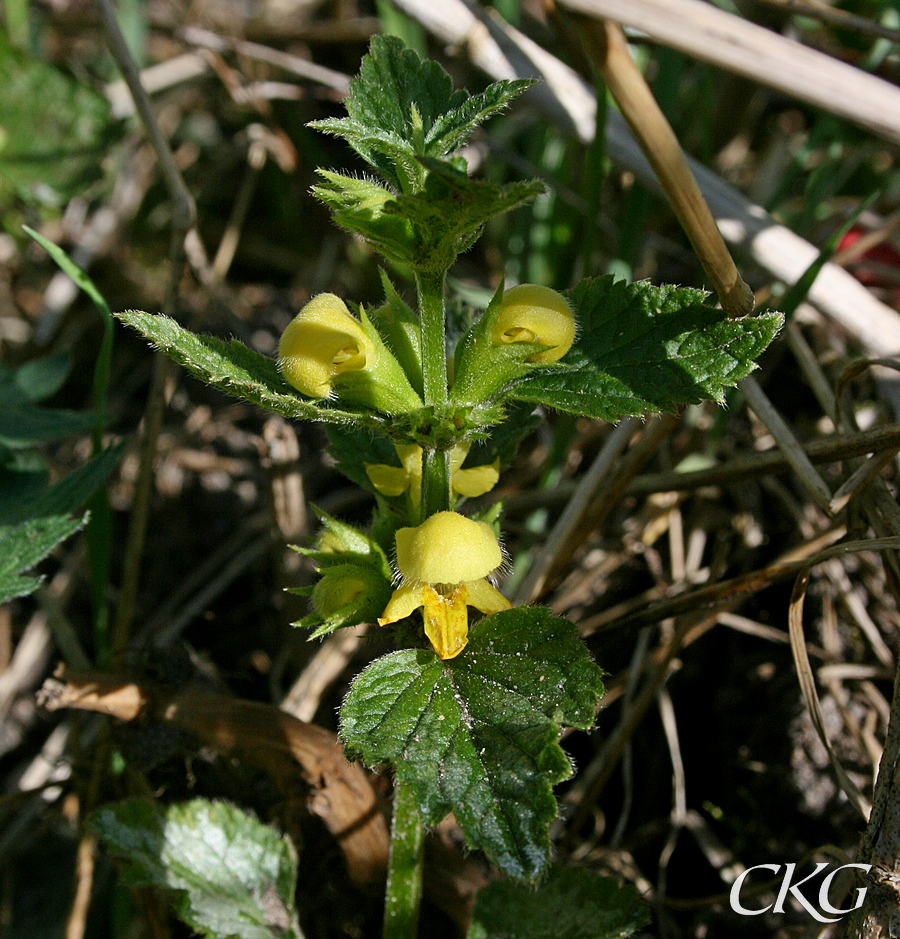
(233, 876)
(478, 734)
(644, 348)
(374, 145)
(25, 544)
(447, 216)
(569, 903)
(397, 96)
(360, 206)
(451, 130)
(236, 370)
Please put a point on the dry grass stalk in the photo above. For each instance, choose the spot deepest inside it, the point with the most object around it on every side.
(737, 45)
(605, 43)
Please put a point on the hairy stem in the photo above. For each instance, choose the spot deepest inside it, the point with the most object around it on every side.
(434, 355)
(404, 885)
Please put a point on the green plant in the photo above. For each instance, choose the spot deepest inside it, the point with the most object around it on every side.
(468, 717)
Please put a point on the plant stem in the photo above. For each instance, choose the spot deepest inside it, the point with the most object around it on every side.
(434, 355)
(404, 885)
(435, 465)
(435, 482)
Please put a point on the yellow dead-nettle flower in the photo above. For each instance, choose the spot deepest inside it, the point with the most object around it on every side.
(322, 341)
(395, 480)
(529, 313)
(444, 564)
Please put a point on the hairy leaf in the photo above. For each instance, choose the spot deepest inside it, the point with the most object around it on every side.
(447, 216)
(569, 903)
(478, 734)
(233, 876)
(236, 370)
(644, 348)
(393, 104)
(452, 129)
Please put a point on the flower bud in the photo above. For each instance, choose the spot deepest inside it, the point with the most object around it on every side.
(533, 314)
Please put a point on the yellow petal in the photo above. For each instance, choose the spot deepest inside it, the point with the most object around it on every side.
(411, 457)
(486, 598)
(477, 480)
(388, 480)
(322, 341)
(405, 599)
(530, 313)
(458, 455)
(446, 620)
(447, 548)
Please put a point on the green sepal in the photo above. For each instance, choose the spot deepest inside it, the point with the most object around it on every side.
(382, 386)
(402, 331)
(478, 734)
(644, 348)
(339, 543)
(346, 595)
(238, 371)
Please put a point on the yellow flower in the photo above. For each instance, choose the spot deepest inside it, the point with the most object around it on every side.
(533, 314)
(395, 480)
(322, 341)
(324, 346)
(444, 564)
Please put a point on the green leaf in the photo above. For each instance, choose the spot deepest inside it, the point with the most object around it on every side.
(25, 544)
(360, 206)
(393, 104)
(65, 496)
(23, 425)
(236, 370)
(644, 348)
(390, 153)
(53, 129)
(478, 734)
(569, 903)
(447, 216)
(233, 876)
(36, 380)
(70, 268)
(401, 107)
(452, 129)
